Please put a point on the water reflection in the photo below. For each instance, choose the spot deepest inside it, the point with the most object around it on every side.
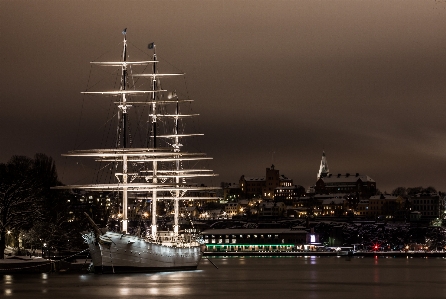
(260, 278)
(242, 260)
(154, 291)
(124, 291)
(168, 284)
(313, 260)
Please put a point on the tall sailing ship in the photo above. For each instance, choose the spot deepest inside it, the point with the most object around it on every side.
(157, 170)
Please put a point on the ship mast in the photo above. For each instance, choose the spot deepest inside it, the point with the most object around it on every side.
(176, 147)
(154, 163)
(123, 106)
(157, 181)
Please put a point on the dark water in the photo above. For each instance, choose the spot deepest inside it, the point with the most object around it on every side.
(250, 277)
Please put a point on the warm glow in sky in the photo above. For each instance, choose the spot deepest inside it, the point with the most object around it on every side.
(363, 80)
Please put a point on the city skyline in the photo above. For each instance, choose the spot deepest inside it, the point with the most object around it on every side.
(274, 82)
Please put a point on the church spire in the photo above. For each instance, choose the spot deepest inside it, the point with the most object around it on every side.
(323, 169)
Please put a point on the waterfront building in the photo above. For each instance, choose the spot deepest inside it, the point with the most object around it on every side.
(268, 239)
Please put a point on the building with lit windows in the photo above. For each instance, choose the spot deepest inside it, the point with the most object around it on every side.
(363, 185)
(288, 194)
(231, 192)
(263, 187)
(327, 183)
(98, 205)
(233, 209)
(202, 197)
(249, 240)
(363, 208)
(333, 207)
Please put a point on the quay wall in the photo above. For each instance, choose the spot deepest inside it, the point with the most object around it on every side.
(322, 253)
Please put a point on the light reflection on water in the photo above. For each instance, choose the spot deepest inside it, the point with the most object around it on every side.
(249, 277)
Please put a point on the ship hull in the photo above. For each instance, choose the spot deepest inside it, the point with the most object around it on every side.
(117, 253)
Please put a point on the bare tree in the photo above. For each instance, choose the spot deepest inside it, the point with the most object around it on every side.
(18, 197)
(25, 196)
(400, 191)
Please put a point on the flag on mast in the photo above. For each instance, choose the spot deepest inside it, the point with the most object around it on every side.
(151, 45)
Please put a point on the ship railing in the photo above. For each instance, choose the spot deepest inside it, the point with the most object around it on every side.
(182, 240)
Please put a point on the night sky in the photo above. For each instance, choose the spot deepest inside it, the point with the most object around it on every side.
(274, 81)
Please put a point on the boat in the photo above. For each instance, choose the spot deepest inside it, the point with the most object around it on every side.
(157, 170)
(344, 251)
